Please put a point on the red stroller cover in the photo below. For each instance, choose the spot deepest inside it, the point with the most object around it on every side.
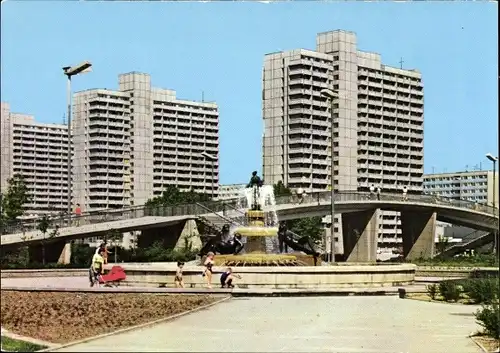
(115, 274)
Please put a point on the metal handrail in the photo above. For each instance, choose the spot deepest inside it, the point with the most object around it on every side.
(195, 209)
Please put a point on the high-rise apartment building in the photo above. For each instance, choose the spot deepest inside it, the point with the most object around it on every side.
(133, 142)
(475, 186)
(378, 122)
(38, 152)
(231, 191)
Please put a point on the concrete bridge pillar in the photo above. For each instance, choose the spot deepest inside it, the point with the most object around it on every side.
(360, 235)
(65, 257)
(418, 232)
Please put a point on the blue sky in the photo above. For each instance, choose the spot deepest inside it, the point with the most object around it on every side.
(218, 48)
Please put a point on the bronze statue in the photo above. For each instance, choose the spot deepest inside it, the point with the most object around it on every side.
(233, 246)
(304, 244)
(256, 183)
(255, 180)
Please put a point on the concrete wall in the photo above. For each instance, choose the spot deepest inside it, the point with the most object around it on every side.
(156, 275)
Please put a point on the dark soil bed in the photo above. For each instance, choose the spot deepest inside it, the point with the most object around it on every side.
(60, 317)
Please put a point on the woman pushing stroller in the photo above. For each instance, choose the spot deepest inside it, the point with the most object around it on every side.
(96, 267)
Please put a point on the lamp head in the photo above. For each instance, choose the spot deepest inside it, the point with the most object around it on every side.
(491, 157)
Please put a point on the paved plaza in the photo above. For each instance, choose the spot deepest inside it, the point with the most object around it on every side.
(50, 282)
(306, 324)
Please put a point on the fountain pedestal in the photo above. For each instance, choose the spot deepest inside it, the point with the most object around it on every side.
(255, 244)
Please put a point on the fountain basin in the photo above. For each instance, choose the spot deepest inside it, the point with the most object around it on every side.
(345, 276)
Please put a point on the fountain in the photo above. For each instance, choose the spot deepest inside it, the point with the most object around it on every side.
(260, 237)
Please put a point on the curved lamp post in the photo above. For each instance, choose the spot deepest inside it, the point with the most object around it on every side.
(71, 71)
(331, 95)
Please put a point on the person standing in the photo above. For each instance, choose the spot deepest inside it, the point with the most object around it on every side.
(378, 192)
(372, 191)
(207, 272)
(179, 282)
(405, 193)
(78, 214)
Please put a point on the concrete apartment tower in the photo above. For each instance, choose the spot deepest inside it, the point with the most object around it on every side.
(378, 131)
(38, 152)
(134, 142)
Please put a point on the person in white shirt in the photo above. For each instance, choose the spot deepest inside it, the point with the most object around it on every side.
(405, 192)
(378, 192)
(372, 191)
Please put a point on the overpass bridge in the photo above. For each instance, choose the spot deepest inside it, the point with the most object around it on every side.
(359, 219)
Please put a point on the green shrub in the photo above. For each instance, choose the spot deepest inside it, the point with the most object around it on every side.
(488, 318)
(477, 260)
(482, 290)
(450, 291)
(432, 290)
(12, 345)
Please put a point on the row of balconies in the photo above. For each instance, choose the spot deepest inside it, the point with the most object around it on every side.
(389, 92)
(396, 122)
(388, 99)
(108, 125)
(40, 170)
(383, 140)
(308, 72)
(379, 83)
(174, 120)
(399, 116)
(178, 149)
(387, 106)
(186, 109)
(183, 140)
(125, 146)
(30, 148)
(387, 179)
(389, 157)
(391, 108)
(389, 131)
(110, 114)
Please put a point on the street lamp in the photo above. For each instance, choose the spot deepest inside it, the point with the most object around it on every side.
(212, 159)
(494, 160)
(331, 96)
(71, 71)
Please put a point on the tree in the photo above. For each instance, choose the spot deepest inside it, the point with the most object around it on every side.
(281, 189)
(115, 237)
(173, 196)
(15, 198)
(43, 226)
(310, 226)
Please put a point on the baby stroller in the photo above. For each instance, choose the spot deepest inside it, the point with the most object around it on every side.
(113, 278)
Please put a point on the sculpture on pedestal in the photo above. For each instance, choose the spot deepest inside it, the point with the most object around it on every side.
(287, 238)
(232, 246)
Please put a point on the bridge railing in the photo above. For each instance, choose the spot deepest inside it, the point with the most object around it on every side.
(220, 206)
(325, 196)
(117, 215)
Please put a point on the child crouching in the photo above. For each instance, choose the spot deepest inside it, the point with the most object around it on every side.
(226, 278)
